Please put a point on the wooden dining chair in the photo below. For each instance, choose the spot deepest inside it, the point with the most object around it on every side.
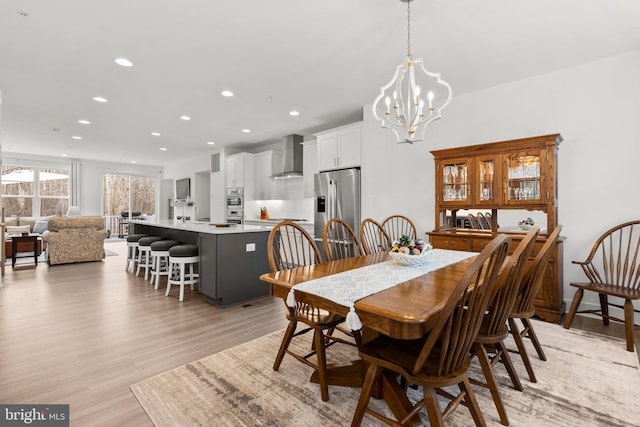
(489, 345)
(373, 237)
(290, 246)
(339, 240)
(397, 226)
(523, 308)
(485, 224)
(613, 270)
(473, 222)
(441, 358)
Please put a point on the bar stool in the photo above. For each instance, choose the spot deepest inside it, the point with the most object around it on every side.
(132, 250)
(144, 254)
(179, 257)
(160, 260)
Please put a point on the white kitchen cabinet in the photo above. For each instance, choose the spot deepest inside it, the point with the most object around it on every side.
(239, 172)
(309, 166)
(265, 164)
(339, 148)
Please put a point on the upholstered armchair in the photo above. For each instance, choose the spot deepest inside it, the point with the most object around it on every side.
(75, 239)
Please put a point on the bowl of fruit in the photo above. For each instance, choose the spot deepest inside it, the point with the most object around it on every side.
(407, 251)
(526, 224)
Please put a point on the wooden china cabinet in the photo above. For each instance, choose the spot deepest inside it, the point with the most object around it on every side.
(515, 174)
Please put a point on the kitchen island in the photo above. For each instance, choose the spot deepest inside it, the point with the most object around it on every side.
(231, 258)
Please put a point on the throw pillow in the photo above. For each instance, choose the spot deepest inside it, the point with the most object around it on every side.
(40, 226)
(17, 229)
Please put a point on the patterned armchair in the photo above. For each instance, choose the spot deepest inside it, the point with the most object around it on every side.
(75, 239)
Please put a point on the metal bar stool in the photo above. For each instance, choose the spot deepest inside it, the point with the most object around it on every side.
(179, 257)
(160, 260)
(144, 254)
(132, 250)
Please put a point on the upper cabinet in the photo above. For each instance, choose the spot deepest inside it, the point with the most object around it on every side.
(517, 174)
(339, 148)
(239, 172)
(309, 166)
(264, 165)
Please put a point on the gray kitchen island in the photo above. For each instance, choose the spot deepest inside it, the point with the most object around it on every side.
(231, 258)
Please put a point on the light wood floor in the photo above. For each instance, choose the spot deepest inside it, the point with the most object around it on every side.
(81, 334)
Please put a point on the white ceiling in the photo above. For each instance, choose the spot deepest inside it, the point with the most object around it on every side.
(324, 58)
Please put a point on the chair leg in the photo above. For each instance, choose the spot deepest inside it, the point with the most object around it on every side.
(171, 267)
(182, 271)
(363, 401)
(604, 307)
(483, 358)
(628, 323)
(515, 332)
(432, 406)
(286, 340)
(531, 333)
(140, 253)
(318, 336)
(508, 364)
(472, 403)
(575, 304)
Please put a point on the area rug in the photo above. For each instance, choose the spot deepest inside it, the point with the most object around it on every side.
(587, 380)
(109, 252)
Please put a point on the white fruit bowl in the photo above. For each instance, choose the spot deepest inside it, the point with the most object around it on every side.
(410, 260)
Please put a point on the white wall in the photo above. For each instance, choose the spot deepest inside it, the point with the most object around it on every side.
(595, 106)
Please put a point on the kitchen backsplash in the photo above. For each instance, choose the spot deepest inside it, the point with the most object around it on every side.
(301, 208)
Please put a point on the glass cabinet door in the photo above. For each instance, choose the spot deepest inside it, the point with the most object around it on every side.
(525, 178)
(456, 177)
(487, 180)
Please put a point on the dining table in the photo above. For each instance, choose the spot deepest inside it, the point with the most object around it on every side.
(403, 303)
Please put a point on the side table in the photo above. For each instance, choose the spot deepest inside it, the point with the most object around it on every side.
(30, 241)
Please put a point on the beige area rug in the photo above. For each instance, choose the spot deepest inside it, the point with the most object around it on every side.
(588, 380)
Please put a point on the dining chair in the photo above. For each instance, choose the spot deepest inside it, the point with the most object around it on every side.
(373, 237)
(398, 225)
(489, 345)
(339, 240)
(473, 221)
(613, 270)
(289, 246)
(523, 308)
(484, 223)
(441, 358)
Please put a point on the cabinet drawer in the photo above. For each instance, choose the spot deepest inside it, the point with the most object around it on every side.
(451, 242)
(477, 245)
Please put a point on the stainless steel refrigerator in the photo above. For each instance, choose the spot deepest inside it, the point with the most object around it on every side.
(337, 195)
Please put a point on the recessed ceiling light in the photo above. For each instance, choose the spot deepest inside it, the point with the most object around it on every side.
(84, 122)
(246, 130)
(211, 143)
(64, 155)
(100, 99)
(185, 117)
(124, 62)
(226, 93)
(76, 137)
(163, 149)
(155, 134)
(133, 161)
(294, 113)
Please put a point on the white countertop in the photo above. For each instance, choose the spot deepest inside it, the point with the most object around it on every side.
(204, 227)
(272, 222)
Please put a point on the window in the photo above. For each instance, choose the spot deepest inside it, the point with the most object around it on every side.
(124, 193)
(30, 191)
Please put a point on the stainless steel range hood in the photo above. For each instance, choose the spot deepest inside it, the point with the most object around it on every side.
(291, 158)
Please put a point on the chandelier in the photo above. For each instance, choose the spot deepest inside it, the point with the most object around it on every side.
(404, 110)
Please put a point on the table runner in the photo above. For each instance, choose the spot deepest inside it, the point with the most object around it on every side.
(350, 286)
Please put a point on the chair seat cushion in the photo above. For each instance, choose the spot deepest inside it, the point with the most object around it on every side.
(613, 290)
(163, 245)
(148, 240)
(135, 237)
(183, 251)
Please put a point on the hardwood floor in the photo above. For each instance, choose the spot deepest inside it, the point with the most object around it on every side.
(81, 334)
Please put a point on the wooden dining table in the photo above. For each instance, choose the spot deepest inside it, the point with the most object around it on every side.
(407, 310)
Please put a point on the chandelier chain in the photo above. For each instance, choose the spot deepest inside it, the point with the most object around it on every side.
(409, 28)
